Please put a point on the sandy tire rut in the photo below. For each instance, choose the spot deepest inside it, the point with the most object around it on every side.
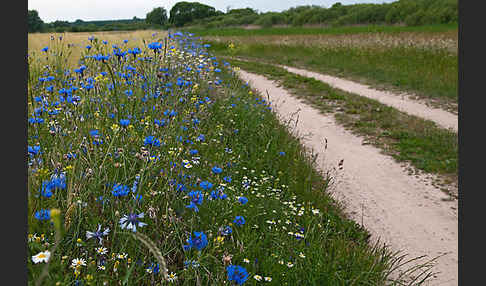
(401, 102)
(405, 212)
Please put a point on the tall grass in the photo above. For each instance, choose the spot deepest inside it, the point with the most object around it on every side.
(284, 31)
(429, 71)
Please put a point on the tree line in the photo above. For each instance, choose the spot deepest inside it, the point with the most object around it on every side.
(405, 12)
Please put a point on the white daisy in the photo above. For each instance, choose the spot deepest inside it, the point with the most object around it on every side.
(41, 257)
(78, 262)
(172, 277)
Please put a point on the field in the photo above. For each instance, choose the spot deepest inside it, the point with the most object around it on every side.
(74, 44)
(420, 60)
(158, 165)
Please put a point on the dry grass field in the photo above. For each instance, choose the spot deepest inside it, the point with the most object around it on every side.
(77, 42)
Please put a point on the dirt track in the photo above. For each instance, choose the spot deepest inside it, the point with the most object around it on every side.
(406, 212)
(401, 102)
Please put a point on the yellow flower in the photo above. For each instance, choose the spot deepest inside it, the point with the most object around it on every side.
(115, 128)
(219, 239)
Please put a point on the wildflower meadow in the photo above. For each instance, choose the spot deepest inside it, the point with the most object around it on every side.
(153, 164)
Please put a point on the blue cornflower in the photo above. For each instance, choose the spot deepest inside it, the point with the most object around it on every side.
(34, 120)
(155, 46)
(227, 179)
(88, 47)
(243, 200)
(281, 153)
(131, 222)
(196, 199)
(237, 273)
(45, 49)
(135, 51)
(199, 241)
(227, 230)
(191, 263)
(216, 170)
(71, 155)
(98, 234)
(58, 181)
(124, 122)
(34, 150)
(94, 133)
(205, 185)
(152, 141)
(46, 189)
(153, 268)
(128, 92)
(43, 214)
(120, 190)
(239, 220)
(80, 69)
(193, 152)
(135, 183)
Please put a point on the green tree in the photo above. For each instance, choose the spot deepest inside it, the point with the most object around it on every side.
(34, 22)
(186, 12)
(157, 16)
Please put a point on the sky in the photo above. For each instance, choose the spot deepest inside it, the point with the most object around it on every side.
(90, 10)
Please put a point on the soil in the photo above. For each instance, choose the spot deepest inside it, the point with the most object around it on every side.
(405, 212)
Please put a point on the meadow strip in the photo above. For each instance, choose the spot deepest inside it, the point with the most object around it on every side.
(163, 140)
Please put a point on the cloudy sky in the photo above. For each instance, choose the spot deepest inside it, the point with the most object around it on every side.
(89, 10)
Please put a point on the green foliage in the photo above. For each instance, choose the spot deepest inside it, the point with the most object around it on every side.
(34, 22)
(185, 12)
(157, 16)
(409, 12)
(103, 25)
